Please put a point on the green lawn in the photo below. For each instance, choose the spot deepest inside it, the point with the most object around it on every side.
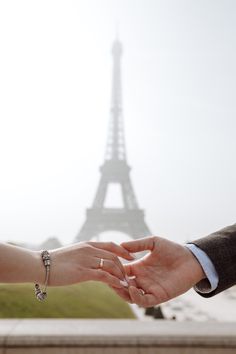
(87, 300)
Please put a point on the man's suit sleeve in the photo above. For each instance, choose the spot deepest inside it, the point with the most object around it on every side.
(221, 249)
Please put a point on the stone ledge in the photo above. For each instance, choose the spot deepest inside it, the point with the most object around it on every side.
(27, 333)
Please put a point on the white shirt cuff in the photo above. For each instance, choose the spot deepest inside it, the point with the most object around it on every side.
(212, 279)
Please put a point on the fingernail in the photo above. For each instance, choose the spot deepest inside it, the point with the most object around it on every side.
(142, 292)
(127, 279)
(124, 283)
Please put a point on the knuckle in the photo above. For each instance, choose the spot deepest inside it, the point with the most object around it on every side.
(114, 258)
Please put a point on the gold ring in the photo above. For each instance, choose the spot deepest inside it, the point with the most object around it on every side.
(101, 263)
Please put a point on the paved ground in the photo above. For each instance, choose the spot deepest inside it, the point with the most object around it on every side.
(192, 307)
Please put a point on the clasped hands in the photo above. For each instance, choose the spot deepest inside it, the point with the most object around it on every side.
(166, 271)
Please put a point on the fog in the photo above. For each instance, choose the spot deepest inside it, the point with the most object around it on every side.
(178, 82)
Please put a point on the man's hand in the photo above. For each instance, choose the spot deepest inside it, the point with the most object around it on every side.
(167, 271)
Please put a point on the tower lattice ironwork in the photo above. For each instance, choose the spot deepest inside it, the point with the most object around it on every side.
(128, 219)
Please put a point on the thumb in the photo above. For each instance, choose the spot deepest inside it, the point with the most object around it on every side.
(143, 244)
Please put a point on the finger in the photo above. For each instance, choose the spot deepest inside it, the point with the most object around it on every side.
(113, 248)
(143, 244)
(123, 293)
(100, 253)
(107, 278)
(110, 267)
(130, 274)
(128, 269)
(132, 282)
(143, 300)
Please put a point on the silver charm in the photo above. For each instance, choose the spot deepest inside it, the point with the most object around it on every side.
(40, 295)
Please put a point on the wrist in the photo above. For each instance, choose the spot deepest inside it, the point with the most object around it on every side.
(38, 270)
(56, 272)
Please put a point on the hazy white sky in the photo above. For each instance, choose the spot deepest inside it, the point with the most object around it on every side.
(179, 78)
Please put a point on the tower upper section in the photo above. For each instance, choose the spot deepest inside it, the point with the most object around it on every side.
(115, 149)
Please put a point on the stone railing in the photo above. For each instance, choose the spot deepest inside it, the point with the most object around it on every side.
(39, 336)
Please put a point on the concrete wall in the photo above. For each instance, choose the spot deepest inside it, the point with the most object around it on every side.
(115, 336)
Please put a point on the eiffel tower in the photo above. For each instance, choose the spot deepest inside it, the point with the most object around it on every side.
(129, 219)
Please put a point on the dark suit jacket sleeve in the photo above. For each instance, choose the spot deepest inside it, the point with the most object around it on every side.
(221, 249)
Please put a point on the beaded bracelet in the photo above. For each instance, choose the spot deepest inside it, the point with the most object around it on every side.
(42, 294)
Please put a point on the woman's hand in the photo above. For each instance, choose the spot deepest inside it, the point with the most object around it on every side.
(82, 262)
